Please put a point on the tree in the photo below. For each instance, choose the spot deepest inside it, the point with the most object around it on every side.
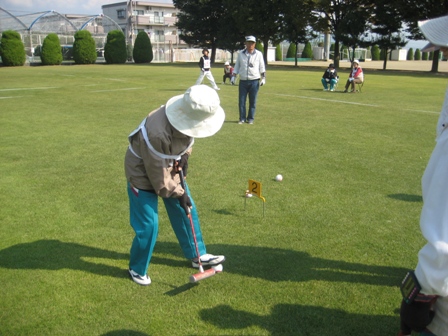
(259, 18)
(115, 49)
(229, 37)
(298, 20)
(51, 53)
(424, 56)
(199, 22)
(387, 28)
(142, 52)
(12, 49)
(259, 46)
(414, 11)
(336, 16)
(84, 50)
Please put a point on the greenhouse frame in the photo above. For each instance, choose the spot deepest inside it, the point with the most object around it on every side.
(34, 27)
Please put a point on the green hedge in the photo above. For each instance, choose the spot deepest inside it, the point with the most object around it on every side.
(12, 49)
(84, 50)
(142, 52)
(115, 48)
(51, 53)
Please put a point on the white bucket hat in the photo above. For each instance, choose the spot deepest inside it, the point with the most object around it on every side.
(226, 63)
(435, 30)
(196, 113)
(251, 39)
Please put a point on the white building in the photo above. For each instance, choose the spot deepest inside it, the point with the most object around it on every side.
(156, 19)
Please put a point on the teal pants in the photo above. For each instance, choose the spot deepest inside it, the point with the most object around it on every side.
(144, 219)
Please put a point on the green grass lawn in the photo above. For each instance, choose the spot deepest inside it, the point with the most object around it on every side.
(327, 258)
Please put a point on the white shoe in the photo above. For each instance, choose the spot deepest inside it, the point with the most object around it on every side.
(217, 88)
(331, 90)
(209, 260)
(141, 280)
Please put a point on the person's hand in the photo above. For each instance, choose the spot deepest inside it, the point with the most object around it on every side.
(263, 81)
(415, 316)
(202, 69)
(350, 79)
(232, 80)
(183, 164)
(185, 203)
(327, 80)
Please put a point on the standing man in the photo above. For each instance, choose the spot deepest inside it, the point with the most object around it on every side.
(427, 310)
(250, 66)
(204, 65)
(158, 149)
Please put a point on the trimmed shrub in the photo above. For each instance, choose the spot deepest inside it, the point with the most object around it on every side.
(376, 53)
(51, 52)
(417, 55)
(142, 52)
(278, 53)
(307, 51)
(12, 49)
(410, 56)
(115, 48)
(431, 55)
(291, 53)
(84, 50)
(425, 56)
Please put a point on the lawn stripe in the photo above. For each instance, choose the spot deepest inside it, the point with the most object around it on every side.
(35, 88)
(11, 97)
(125, 89)
(352, 103)
(324, 99)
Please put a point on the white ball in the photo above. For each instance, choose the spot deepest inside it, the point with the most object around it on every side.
(248, 195)
(279, 178)
(218, 268)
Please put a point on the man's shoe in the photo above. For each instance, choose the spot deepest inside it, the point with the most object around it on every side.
(209, 260)
(250, 122)
(241, 122)
(325, 89)
(345, 91)
(331, 90)
(141, 280)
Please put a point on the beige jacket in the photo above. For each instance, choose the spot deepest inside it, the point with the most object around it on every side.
(151, 167)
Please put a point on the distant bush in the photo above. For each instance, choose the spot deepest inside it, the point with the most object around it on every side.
(142, 52)
(417, 55)
(425, 56)
(51, 53)
(410, 55)
(12, 49)
(84, 50)
(307, 51)
(278, 53)
(115, 48)
(291, 53)
(375, 53)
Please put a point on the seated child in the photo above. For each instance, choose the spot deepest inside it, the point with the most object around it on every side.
(330, 77)
(228, 71)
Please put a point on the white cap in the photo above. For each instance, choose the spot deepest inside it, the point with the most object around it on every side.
(356, 61)
(226, 63)
(251, 39)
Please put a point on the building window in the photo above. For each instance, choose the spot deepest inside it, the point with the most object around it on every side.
(121, 13)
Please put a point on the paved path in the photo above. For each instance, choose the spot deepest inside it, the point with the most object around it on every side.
(424, 66)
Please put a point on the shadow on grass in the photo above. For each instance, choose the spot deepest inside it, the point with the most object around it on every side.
(286, 265)
(256, 262)
(406, 197)
(124, 332)
(287, 319)
(55, 255)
